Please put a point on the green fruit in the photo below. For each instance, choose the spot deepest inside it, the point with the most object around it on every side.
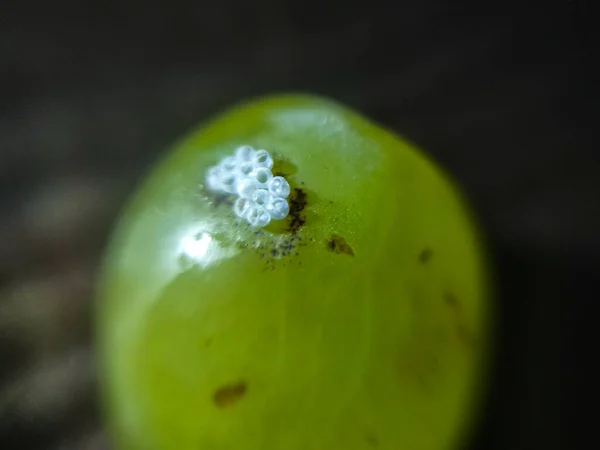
(356, 323)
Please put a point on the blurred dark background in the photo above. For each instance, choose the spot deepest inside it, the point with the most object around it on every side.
(91, 93)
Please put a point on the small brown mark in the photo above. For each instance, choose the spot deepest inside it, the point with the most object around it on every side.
(372, 440)
(463, 333)
(296, 215)
(451, 300)
(223, 199)
(425, 255)
(337, 244)
(208, 342)
(283, 167)
(230, 394)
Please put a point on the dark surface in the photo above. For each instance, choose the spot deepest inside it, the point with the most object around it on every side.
(92, 92)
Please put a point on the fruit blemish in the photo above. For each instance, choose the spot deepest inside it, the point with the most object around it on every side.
(229, 395)
(337, 244)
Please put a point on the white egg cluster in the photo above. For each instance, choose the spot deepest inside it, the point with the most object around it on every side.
(261, 197)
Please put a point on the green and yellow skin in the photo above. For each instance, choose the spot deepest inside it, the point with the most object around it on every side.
(359, 322)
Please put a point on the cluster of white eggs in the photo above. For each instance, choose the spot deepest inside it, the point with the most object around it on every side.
(261, 197)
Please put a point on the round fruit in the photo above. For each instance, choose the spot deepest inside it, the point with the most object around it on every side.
(355, 322)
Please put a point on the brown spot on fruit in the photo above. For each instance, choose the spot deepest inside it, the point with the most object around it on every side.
(229, 395)
(283, 167)
(337, 244)
(425, 255)
(451, 300)
(297, 201)
(463, 333)
(372, 440)
(223, 199)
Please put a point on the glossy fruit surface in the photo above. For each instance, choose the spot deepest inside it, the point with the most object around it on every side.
(356, 323)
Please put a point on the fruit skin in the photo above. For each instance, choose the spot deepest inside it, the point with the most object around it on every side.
(369, 332)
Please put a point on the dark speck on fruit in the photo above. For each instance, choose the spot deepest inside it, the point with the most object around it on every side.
(451, 300)
(372, 440)
(229, 395)
(337, 244)
(425, 255)
(297, 205)
(222, 199)
(464, 334)
(283, 167)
